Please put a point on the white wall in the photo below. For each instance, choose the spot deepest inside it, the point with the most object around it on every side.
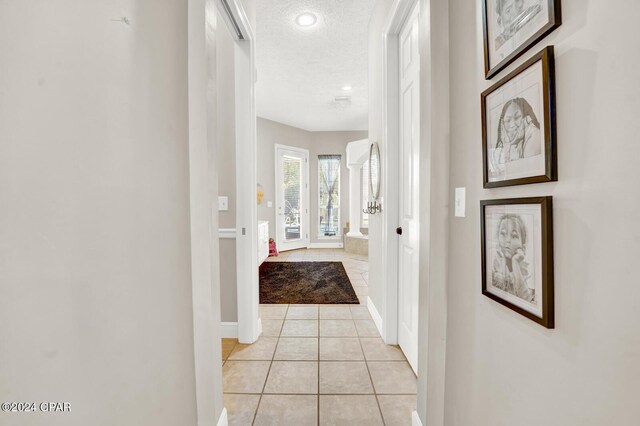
(503, 369)
(377, 283)
(95, 281)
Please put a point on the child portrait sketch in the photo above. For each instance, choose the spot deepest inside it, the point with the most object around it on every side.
(511, 23)
(513, 264)
(518, 133)
(511, 270)
(512, 16)
(515, 128)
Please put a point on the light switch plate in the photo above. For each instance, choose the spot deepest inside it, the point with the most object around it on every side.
(460, 201)
(223, 203)
(269, 204)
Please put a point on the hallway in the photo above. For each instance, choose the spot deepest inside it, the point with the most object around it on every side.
(318, 364)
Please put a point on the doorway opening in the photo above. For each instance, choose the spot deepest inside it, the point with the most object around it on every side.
(312, 175)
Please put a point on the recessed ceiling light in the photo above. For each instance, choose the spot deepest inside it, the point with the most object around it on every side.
(306, 19)
(346, 88)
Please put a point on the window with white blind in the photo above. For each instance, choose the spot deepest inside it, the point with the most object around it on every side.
(365, 194)
(292, 181)
(329, 196)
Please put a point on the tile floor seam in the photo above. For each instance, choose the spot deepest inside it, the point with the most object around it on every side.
(375, 394)
(264, 385)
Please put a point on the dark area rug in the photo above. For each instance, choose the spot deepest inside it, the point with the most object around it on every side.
(305, 282)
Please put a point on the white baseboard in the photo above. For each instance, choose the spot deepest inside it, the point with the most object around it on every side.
(259, 328)
(377, 319)
(229, 330)
(224, 418)
(415, 419)
(326, 245)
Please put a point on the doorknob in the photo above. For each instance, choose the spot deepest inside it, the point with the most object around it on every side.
(399, 230)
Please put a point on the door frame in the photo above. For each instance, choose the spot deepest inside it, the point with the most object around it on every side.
(237, 22)
(307, 196)
(204, 244)
(414, 13)
(434, 190)
(400, 11)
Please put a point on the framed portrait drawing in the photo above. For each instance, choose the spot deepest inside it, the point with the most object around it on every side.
(512, 26)
(517, 256)
(519, 125)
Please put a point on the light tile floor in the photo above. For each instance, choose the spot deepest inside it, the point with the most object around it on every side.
(318, 364)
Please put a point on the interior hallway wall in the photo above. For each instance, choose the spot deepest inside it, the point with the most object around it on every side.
(503, 369)
(95, 268)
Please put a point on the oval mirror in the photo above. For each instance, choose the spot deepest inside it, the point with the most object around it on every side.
(374, 171)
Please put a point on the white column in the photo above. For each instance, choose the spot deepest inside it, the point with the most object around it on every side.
(355, 202)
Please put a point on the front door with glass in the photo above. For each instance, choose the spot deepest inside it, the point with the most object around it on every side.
(292, 198)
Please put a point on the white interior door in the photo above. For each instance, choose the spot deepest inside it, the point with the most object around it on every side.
(409, 208)
(292, 198)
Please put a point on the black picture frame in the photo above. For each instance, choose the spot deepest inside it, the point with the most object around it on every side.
(547, 319)
(554, 20)
(548, 103)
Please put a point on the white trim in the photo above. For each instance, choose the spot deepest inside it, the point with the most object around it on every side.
(355, 199)
(415, 419)
(358, 152)
(326, 245)
(400, 10)
(306, 226)
(377, 319)
(227, 233)
(224, 418)
(229, 330)
(246, 171)
(239, 17)
(203, 190)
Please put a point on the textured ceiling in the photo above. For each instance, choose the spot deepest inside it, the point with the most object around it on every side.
(302, 70)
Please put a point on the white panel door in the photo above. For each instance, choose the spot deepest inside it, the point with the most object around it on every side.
(292, 198)
(409, 208)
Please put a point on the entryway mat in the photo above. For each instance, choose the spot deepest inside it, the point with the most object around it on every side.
(306, 282)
